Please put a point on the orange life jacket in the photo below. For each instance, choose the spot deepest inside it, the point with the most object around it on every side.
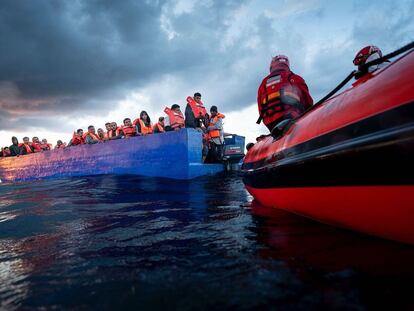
(77, 139)
(198, 109)
(144, 129)
(159, 127)
(94, 136)
(46, 146)
(213, 121)
(110, 133)
(176, 118)
(129, 131)
(27, 147)
(62, 146)
(36, 147)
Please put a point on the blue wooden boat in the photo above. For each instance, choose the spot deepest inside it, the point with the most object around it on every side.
(172, 155)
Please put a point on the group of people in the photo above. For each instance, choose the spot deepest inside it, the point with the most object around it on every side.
(195, 116)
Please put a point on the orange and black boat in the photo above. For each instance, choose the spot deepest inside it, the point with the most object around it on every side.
(348, 161)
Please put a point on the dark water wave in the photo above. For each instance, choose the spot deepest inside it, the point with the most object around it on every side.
(126, 242)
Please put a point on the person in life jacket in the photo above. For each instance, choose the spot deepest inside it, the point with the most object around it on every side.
(26, 146)
(365, 55)
(143, 124)
(195, 113)
(36, 144)
(282, 94)
(115, 132)
(60, 145)
(45, 146)
(175, 118)
(15, 149)
(215, 135)
(129, 129)
(101, 134)
(159, 126)
(90, 136)
(77, 138)
(108, 128)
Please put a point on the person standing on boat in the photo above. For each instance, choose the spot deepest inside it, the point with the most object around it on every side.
(195, 113)
(90, 136)
(115, 132)
(282, 94)
(143, 124)
(15, 150)
(26, 146)
(175, 118)
(159, 126)
(128, 129)
(36, 144)
(215, 135)
(364, 56)
(77, 138)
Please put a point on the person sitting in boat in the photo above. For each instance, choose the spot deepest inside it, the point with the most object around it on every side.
(215, 135)
(15, 149)
(195, 113)
(282, 94)
(115, 132)
(26, 146)
(45, 146)
(60, 145)
(77, 138)
(159, 126)
(101, 134)
(36, 144)
(143, 124)
(5, 152)
(175, 118)
(364, 56)
(129, 129)
(90, 136)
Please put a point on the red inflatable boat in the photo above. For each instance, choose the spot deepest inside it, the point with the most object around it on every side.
(349, 161)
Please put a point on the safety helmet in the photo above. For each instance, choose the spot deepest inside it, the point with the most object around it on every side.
(279, 61)
(364, 53)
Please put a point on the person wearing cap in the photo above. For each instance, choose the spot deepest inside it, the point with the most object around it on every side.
(282, 94)
(215, 135)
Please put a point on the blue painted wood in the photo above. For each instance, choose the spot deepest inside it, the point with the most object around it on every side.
(172, 155)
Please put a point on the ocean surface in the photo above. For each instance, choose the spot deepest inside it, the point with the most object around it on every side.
(133, 243)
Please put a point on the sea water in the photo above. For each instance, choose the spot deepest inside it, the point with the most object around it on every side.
(135, 243)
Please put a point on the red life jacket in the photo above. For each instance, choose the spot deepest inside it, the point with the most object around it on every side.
(280, 94)
(159, 127)
(77, 139)
(115, 133)
(62, 146)
(129, 131)
(144, 129)
(93, 136)
(45, 147)
(176, 118)
(36, 147)
(27, 147)
(213, 121)
(198, 109)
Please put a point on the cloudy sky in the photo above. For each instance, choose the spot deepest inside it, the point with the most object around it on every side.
(67, 64)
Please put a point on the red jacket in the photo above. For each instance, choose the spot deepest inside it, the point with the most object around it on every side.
(269, 91)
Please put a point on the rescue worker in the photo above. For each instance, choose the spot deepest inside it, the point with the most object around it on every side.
(36, 144)
(282, 94)
(15, 150)
(77, 138)
(143, 124)
(159, 126)
(26, 146)
(101, 134)
(115, 132)
(366, 55)
(215, 135)
(129, 129)
(90, 136)
(45, 146)
(195, 112)
(175, 119)
(60, 145)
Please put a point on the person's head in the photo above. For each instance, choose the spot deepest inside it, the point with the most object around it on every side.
(175, 108)
(79, 132)
(108, 126)
(26, 140)
(15, 141)
(91, 129)
(127, 122)
(59, 142)
(44, 141)
(6, 151)
(101, 132)
(113, 126)
(249, 146)
(197, 97)
(161, 120)
(279, 62)
(366, 54)
(35, 139)
(145, 117)
(213, 110)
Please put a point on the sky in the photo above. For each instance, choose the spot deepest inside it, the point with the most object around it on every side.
(67, 64)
